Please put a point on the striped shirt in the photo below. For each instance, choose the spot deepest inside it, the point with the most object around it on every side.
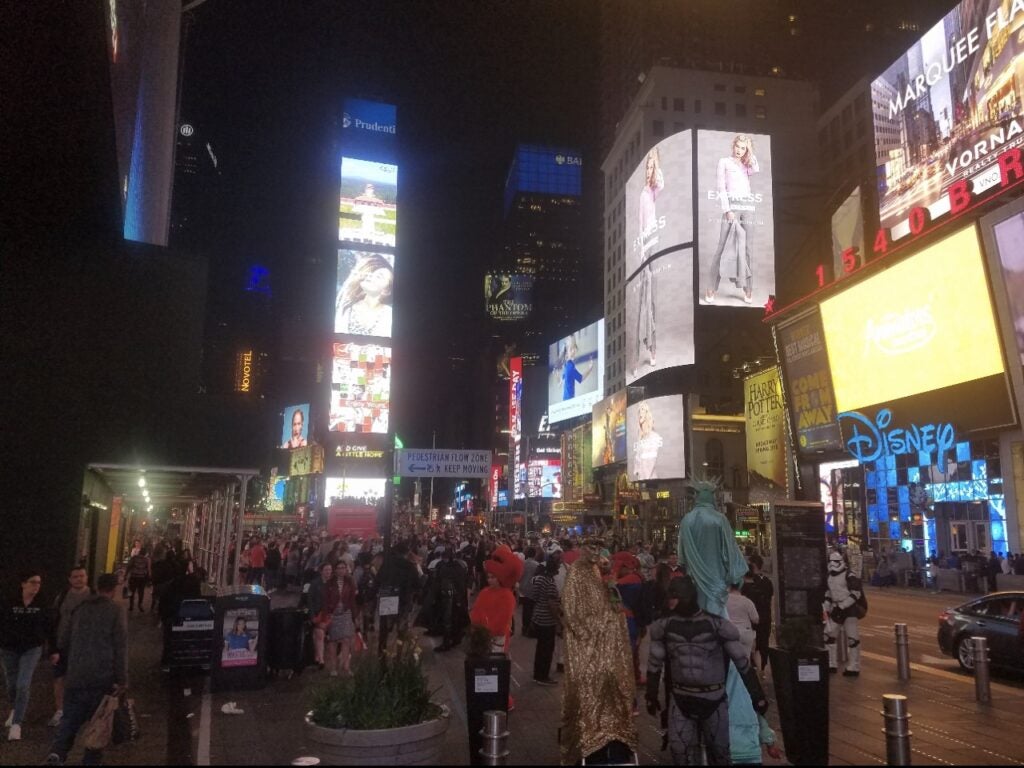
(545, 593)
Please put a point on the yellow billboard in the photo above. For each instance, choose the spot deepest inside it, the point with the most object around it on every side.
(766, 429)
(923, 324)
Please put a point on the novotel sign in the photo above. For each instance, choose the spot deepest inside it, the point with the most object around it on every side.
(871, 440)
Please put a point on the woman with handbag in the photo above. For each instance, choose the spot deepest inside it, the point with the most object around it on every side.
(340, 605)
(321, 620)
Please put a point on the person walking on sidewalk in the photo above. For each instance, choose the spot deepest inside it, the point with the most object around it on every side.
(76, 593)
(531, 567)
(317, 597)
(257, 563)
(25, 625)
(140, 571)
(340, 605)
(96, 642)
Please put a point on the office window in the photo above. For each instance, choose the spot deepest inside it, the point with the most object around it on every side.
(664, 102)
(679, 105)
(719, 107)
(741, 110)
(740, 89)
(658, 128)
(696, 106)
(720, 87)
(759, 92)
(761, 113)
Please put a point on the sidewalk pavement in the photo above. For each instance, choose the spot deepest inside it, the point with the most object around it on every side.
(182, 723)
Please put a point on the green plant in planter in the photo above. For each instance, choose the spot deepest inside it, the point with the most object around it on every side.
(389, 692)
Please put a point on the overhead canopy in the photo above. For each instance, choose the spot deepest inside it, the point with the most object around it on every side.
(169, 485)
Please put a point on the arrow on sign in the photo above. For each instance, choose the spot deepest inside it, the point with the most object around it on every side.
(421, 467)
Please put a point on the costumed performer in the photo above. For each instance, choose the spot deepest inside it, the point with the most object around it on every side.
(708, 550)
(597, 703)
(496, 604)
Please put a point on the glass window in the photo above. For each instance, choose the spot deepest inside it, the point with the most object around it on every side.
(719, 107)
(664, 102)
(740, 89)
(658, 128)
(720, 87)
(759, 91)
(761, 113)
(696, 106)
(679, 105)
(741, 110)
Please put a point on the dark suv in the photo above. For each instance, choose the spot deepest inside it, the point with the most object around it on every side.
(998, 617)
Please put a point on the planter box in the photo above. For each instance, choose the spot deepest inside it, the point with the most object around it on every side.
(412, 745)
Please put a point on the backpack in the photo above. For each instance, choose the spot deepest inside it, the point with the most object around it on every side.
(860, 608)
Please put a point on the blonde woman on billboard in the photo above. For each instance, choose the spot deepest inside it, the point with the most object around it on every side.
(646, 335)
(571, 375)
(363, 305)
(646, 448)
(654, 182)
(737, 202)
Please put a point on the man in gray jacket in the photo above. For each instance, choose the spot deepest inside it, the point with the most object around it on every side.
(94, 642)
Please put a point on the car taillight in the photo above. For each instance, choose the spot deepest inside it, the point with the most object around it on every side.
(945, 618)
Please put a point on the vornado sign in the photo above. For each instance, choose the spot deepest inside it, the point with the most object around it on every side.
(244, 371)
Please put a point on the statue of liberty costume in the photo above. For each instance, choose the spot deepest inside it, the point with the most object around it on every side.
(708, 550)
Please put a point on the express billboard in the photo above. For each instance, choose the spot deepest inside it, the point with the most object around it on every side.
(736, 218)
(659, 201)
(295, 426)
(576, 373)
(360, 388)
(947, 108)
(368, 211)
(365, 288)
(924, 324)
(655, 431)
(609, 430)
(659, 315)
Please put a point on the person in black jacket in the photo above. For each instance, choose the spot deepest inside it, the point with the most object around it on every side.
(25, 625)
(398, 578)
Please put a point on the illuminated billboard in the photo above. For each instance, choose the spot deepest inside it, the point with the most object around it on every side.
(659, 201)
(923, 324)
(508, 296)
(1008, 233)
(609, 430)
(848, 236)
(366, 281)
(812, 403)
(515, 422)
(655, 431)
(369, 207)
(245, 370)
(576, 373)
(735, 218)
(765, 429)
(360, 388)
(369, 128)
(947, 108)
(544, 478)
(295, 427)
(367, 490)
(659, 315)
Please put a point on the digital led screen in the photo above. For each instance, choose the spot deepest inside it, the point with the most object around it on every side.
(508, 296)
(947, 108)
(659, 315)
(848, 235)
(369, 207)
(366, 281)
(277, 487)
(1009, 237)
(576, 373)
(369, 129)
(609, 430)
(515, 422)
(655, 431)
(735, 218)
(544, 478)
(368, 490)
(659, 201)
(924, 324)
(295, 427)
(360, 388)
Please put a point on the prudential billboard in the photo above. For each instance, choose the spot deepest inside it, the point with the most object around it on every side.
(948, 108)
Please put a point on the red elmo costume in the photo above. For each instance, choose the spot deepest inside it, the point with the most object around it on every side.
(495, 606)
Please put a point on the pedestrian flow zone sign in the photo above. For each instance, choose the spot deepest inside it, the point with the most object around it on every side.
(439, 462)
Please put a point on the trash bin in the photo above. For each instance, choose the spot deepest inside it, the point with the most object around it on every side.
(487, 687)
(801, 681)
(288, 641)
(240, 638)
(192, 633)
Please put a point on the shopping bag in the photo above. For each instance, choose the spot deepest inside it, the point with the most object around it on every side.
(126, 722)
(358, 643)
(97, 732)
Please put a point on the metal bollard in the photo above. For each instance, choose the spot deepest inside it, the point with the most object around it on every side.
(897, 729)
(842, 649)
(982, 676)
(902, 652)
(495, 736)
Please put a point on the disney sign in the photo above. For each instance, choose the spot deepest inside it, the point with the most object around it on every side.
(873, 440)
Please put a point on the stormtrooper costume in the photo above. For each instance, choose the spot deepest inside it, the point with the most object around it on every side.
(843, 607)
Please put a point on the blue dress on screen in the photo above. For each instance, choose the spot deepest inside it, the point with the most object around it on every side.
(569, 378)
(238, 642)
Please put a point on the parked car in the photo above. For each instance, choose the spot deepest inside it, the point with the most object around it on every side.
(998, 617)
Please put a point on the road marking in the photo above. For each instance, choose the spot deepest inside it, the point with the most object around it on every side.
(203, 750)
(926, 659)
(943, 674)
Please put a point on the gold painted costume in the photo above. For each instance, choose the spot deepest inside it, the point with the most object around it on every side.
(597, 704)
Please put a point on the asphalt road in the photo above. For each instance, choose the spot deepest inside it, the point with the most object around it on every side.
(919, 610)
